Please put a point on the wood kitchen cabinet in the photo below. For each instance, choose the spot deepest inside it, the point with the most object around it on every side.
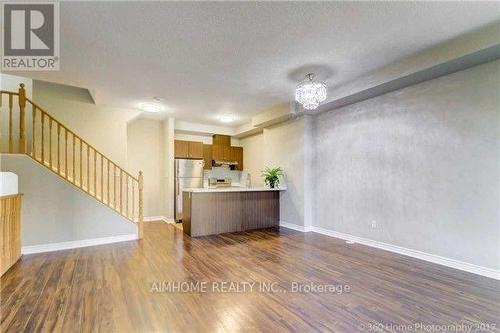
(10, 231)
(238, 157)
(181, 149)
(221, 140)
(218, 153)
(188, 149)
(195, 149)
(207, 156)
(227, 154)
(209, 153)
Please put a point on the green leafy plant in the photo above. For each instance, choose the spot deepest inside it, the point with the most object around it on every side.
(271, 176)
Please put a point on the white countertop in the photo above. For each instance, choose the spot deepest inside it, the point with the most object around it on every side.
(8, 183)
(232, 189)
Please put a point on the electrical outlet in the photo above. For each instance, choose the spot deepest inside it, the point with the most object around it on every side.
(374, 224)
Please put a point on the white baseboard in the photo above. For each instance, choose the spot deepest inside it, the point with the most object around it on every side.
(297, 227)
(457, 264)
(158, 218)
(76, 244)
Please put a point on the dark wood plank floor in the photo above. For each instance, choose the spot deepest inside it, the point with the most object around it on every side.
(109, 288)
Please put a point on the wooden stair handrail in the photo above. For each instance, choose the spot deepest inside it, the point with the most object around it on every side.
(121, 197)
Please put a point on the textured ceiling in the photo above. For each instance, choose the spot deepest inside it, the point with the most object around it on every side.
(204, 59)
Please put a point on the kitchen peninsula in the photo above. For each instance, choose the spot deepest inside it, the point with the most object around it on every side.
(209, 211)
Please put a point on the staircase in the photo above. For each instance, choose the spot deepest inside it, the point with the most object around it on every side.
(62, 151)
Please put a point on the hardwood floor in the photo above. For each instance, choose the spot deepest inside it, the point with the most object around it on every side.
(115, 288)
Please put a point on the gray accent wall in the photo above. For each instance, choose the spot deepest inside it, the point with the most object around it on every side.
(423, 162)
(55, 211)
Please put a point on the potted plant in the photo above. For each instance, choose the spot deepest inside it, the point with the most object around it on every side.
(271, 176)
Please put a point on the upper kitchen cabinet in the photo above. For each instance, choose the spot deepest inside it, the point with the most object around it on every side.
(195, 149)
(207, 156)
(221, 140)
(218, 153)
(228, 155)
(188, 149)
(181, 149)
(222, 153)
(238, 157)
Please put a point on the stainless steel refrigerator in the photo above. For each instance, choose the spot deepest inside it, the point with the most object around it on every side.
(188, 174)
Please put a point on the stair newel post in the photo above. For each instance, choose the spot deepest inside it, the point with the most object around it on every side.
(107, 180)
(58, 148)
(121, 191)
(126, 194)
(33, 124)
(11, 132)
(141, 203)
(73, 165)
(42, 135)
(66, 153)
(50, 142)
(114, 186)
(102, 179)
(22, 130)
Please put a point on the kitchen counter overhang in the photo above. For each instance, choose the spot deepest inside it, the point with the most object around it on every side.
(232, 189)
(215, 211)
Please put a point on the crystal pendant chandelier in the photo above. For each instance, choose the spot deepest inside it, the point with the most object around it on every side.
(309, 93)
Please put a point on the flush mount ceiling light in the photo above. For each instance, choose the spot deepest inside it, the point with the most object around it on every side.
(151, 107)
(226, 118)
(309, 93)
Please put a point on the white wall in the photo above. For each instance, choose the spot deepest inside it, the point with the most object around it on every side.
(197, 128)
(206, 139)
(11, 83)
(146, 152)
(168, 141)
(9, 183)
(423, 162)
(253, 157)
(151, 149)
(284, 146)
(55, 211)
(103, 127)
